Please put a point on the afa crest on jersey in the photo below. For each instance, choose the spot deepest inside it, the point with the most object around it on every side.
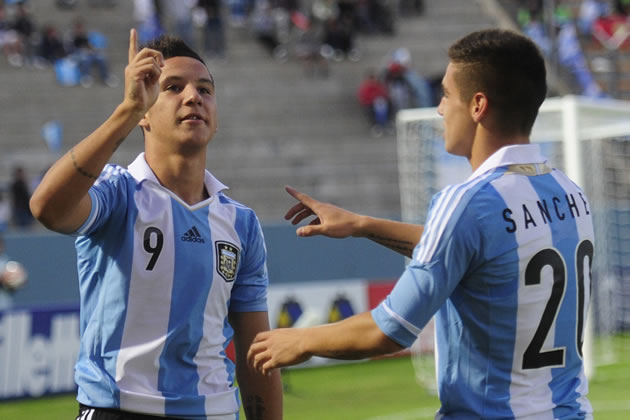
(227, 256)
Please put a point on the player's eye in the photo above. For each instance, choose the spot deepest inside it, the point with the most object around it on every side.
(205, 91)
(173, 88)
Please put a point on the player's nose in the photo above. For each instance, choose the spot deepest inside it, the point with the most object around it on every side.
(192, 95)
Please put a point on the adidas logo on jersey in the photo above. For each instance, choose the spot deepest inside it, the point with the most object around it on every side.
(193, 235)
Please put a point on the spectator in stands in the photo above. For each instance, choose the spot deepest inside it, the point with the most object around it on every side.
(264, 27)
(25, 29)
(590, 11)
(347, 8)
(283, 12)
(89, 57)
(181, 12)
(10, 41)
(339, 35)
(363, 16)
(528, 8)
(418, 87)
(214, 29)
(397, 86)
(146, 13)
(534, 27)
(51, 47)
(309, 49)
(382, 15)
(238, 11)
(374, 99)
(20, 196)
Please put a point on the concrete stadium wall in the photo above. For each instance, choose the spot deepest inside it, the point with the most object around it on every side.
(50, 261)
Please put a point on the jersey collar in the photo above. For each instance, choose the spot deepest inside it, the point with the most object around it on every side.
(510, 155)
(141, 171)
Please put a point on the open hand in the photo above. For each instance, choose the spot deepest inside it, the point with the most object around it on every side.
(277, 348)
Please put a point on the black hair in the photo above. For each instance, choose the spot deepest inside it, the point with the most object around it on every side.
(171, 46)
(509, 69)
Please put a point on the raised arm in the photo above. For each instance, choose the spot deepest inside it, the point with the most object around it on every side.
(335, 222)
(356, 337)
(261, 394)
(61, 201)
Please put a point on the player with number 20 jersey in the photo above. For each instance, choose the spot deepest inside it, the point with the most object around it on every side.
(503, 261)
(512, 247)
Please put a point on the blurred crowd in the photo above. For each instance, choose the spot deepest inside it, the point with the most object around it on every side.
(564, 32)
(315, 33)
(77, 49)
(397, 86)
(597, 18)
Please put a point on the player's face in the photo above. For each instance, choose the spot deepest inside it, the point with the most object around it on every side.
(185, 111)
(459, 127)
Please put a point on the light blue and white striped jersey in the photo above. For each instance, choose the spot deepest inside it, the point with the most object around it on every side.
(157, 280)
(505, 262)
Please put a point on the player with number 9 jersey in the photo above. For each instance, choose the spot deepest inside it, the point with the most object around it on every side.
(198, 261)
(171, 270)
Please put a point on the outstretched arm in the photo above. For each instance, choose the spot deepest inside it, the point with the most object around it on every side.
(61, 201)
(356, 337)
(335, 222)
(261, 395)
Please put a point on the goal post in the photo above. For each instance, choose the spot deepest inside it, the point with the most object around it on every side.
(589, 139)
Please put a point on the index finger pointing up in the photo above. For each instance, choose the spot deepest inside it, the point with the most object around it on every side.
(133, 44)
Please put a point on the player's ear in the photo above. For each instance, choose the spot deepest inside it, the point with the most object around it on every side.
(479, 106)
(144, 123)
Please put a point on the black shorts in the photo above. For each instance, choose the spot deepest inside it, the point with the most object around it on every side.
(94, 413)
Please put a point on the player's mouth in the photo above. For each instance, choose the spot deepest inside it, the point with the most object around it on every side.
(193, 118)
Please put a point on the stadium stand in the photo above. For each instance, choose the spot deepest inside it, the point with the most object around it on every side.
(602, 37)
(276, 126)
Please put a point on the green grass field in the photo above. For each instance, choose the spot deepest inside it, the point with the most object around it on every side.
(376, 390)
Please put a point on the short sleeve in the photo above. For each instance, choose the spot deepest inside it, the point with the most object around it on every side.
(107, 197)
(426, 284)
(249, 293)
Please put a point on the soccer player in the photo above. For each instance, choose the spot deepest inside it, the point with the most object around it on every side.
(170, 268)
(503, 260)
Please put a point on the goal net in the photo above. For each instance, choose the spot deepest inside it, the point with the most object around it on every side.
(590, 141)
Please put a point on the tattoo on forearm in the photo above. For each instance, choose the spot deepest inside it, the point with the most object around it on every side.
(254, 406)
(80, 169)
(349, 354)
(393, 243)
